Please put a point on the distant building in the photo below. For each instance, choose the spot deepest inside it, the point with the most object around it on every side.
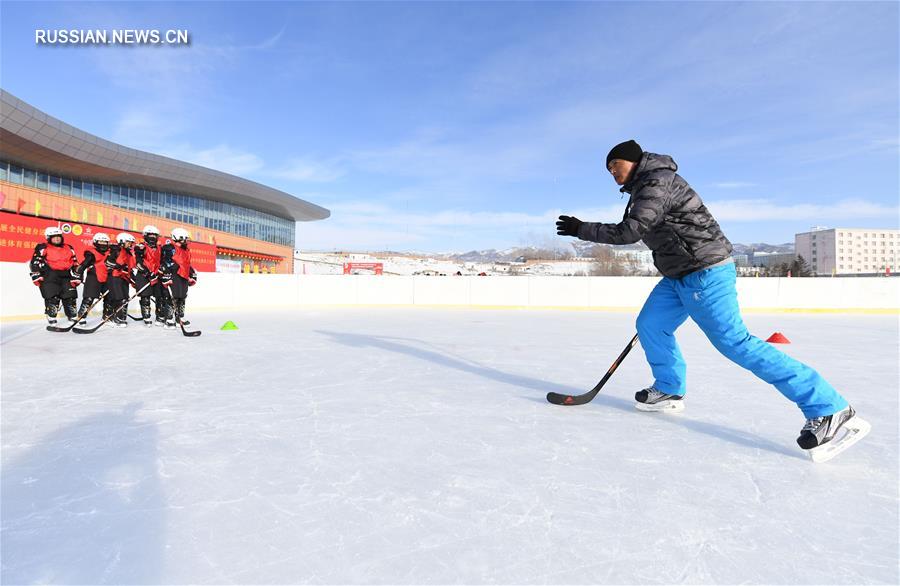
(741, 260)
(53, 174)
(772, 259)
(849, 251)
(642, 260)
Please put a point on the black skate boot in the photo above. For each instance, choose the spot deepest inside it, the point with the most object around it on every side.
(179, 311)
(121, 318)
(83, 308)
(650, 399)
(145, 311)
(51, 308)
(826, 437)
(70, 309)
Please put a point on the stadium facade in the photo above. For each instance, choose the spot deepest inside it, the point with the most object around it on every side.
(52, 173)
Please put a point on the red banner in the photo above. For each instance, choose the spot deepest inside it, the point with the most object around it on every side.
(352, 268)
(20, 234)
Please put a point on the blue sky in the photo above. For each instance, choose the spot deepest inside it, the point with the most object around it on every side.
(459, 126)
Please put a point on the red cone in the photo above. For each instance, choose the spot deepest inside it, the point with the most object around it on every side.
(778, 338)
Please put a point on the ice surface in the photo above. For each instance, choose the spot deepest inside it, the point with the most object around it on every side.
(415, 446)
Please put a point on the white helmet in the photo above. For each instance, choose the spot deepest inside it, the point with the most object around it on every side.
(51, 231)
(150, 229)
(179, 234)
(123, 237)
(100, 237)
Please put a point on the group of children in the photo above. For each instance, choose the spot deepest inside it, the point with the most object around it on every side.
(161, 273)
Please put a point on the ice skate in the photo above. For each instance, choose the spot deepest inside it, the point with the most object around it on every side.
(825, 437)
(650, 399)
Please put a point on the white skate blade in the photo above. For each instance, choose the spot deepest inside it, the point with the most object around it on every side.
(670, 406)
(854, 429)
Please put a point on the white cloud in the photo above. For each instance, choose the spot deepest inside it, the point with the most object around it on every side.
(754, 210)
(221, 157)
(308, 170)
(733, 184)
(362, 225)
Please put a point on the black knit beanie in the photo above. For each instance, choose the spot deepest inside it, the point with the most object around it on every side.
(627, 151)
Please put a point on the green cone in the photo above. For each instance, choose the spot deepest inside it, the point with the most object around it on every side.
(229, 325)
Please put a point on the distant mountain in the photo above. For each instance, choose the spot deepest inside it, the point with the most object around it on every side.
(577, 249)
(762, 247)
(505, 255)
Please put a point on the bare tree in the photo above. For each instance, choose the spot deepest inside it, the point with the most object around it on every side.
(606, 263)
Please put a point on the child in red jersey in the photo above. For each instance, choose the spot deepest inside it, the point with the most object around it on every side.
(120, 262)
(177, 274)
(92, 271)
(147, 257)
(51, 270)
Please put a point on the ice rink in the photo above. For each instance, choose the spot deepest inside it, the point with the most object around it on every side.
(415, 446)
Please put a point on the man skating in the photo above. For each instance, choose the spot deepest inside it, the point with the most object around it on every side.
(699, 277)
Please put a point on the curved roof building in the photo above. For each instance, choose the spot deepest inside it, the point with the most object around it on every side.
(43, 157)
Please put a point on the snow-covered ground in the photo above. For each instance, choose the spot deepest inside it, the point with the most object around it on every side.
(324, 263)
(415, 446)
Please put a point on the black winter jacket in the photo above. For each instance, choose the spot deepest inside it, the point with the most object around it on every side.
(668, 216)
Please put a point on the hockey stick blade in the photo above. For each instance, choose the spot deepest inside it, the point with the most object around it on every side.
(192, 334)
(561, 399)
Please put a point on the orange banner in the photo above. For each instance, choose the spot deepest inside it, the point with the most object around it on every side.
(20, 234)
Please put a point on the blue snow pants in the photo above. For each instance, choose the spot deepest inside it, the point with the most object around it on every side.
(709, 297)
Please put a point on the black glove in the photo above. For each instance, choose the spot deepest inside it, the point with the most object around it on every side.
(568, 226)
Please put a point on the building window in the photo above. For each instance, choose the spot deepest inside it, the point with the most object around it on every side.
(54, 184)
(65, 186)
(28, 181)
(4, 171)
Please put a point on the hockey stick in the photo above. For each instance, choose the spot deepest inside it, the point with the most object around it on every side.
(78, 318)
(191, 334)
(560, 399)
(112, 314)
